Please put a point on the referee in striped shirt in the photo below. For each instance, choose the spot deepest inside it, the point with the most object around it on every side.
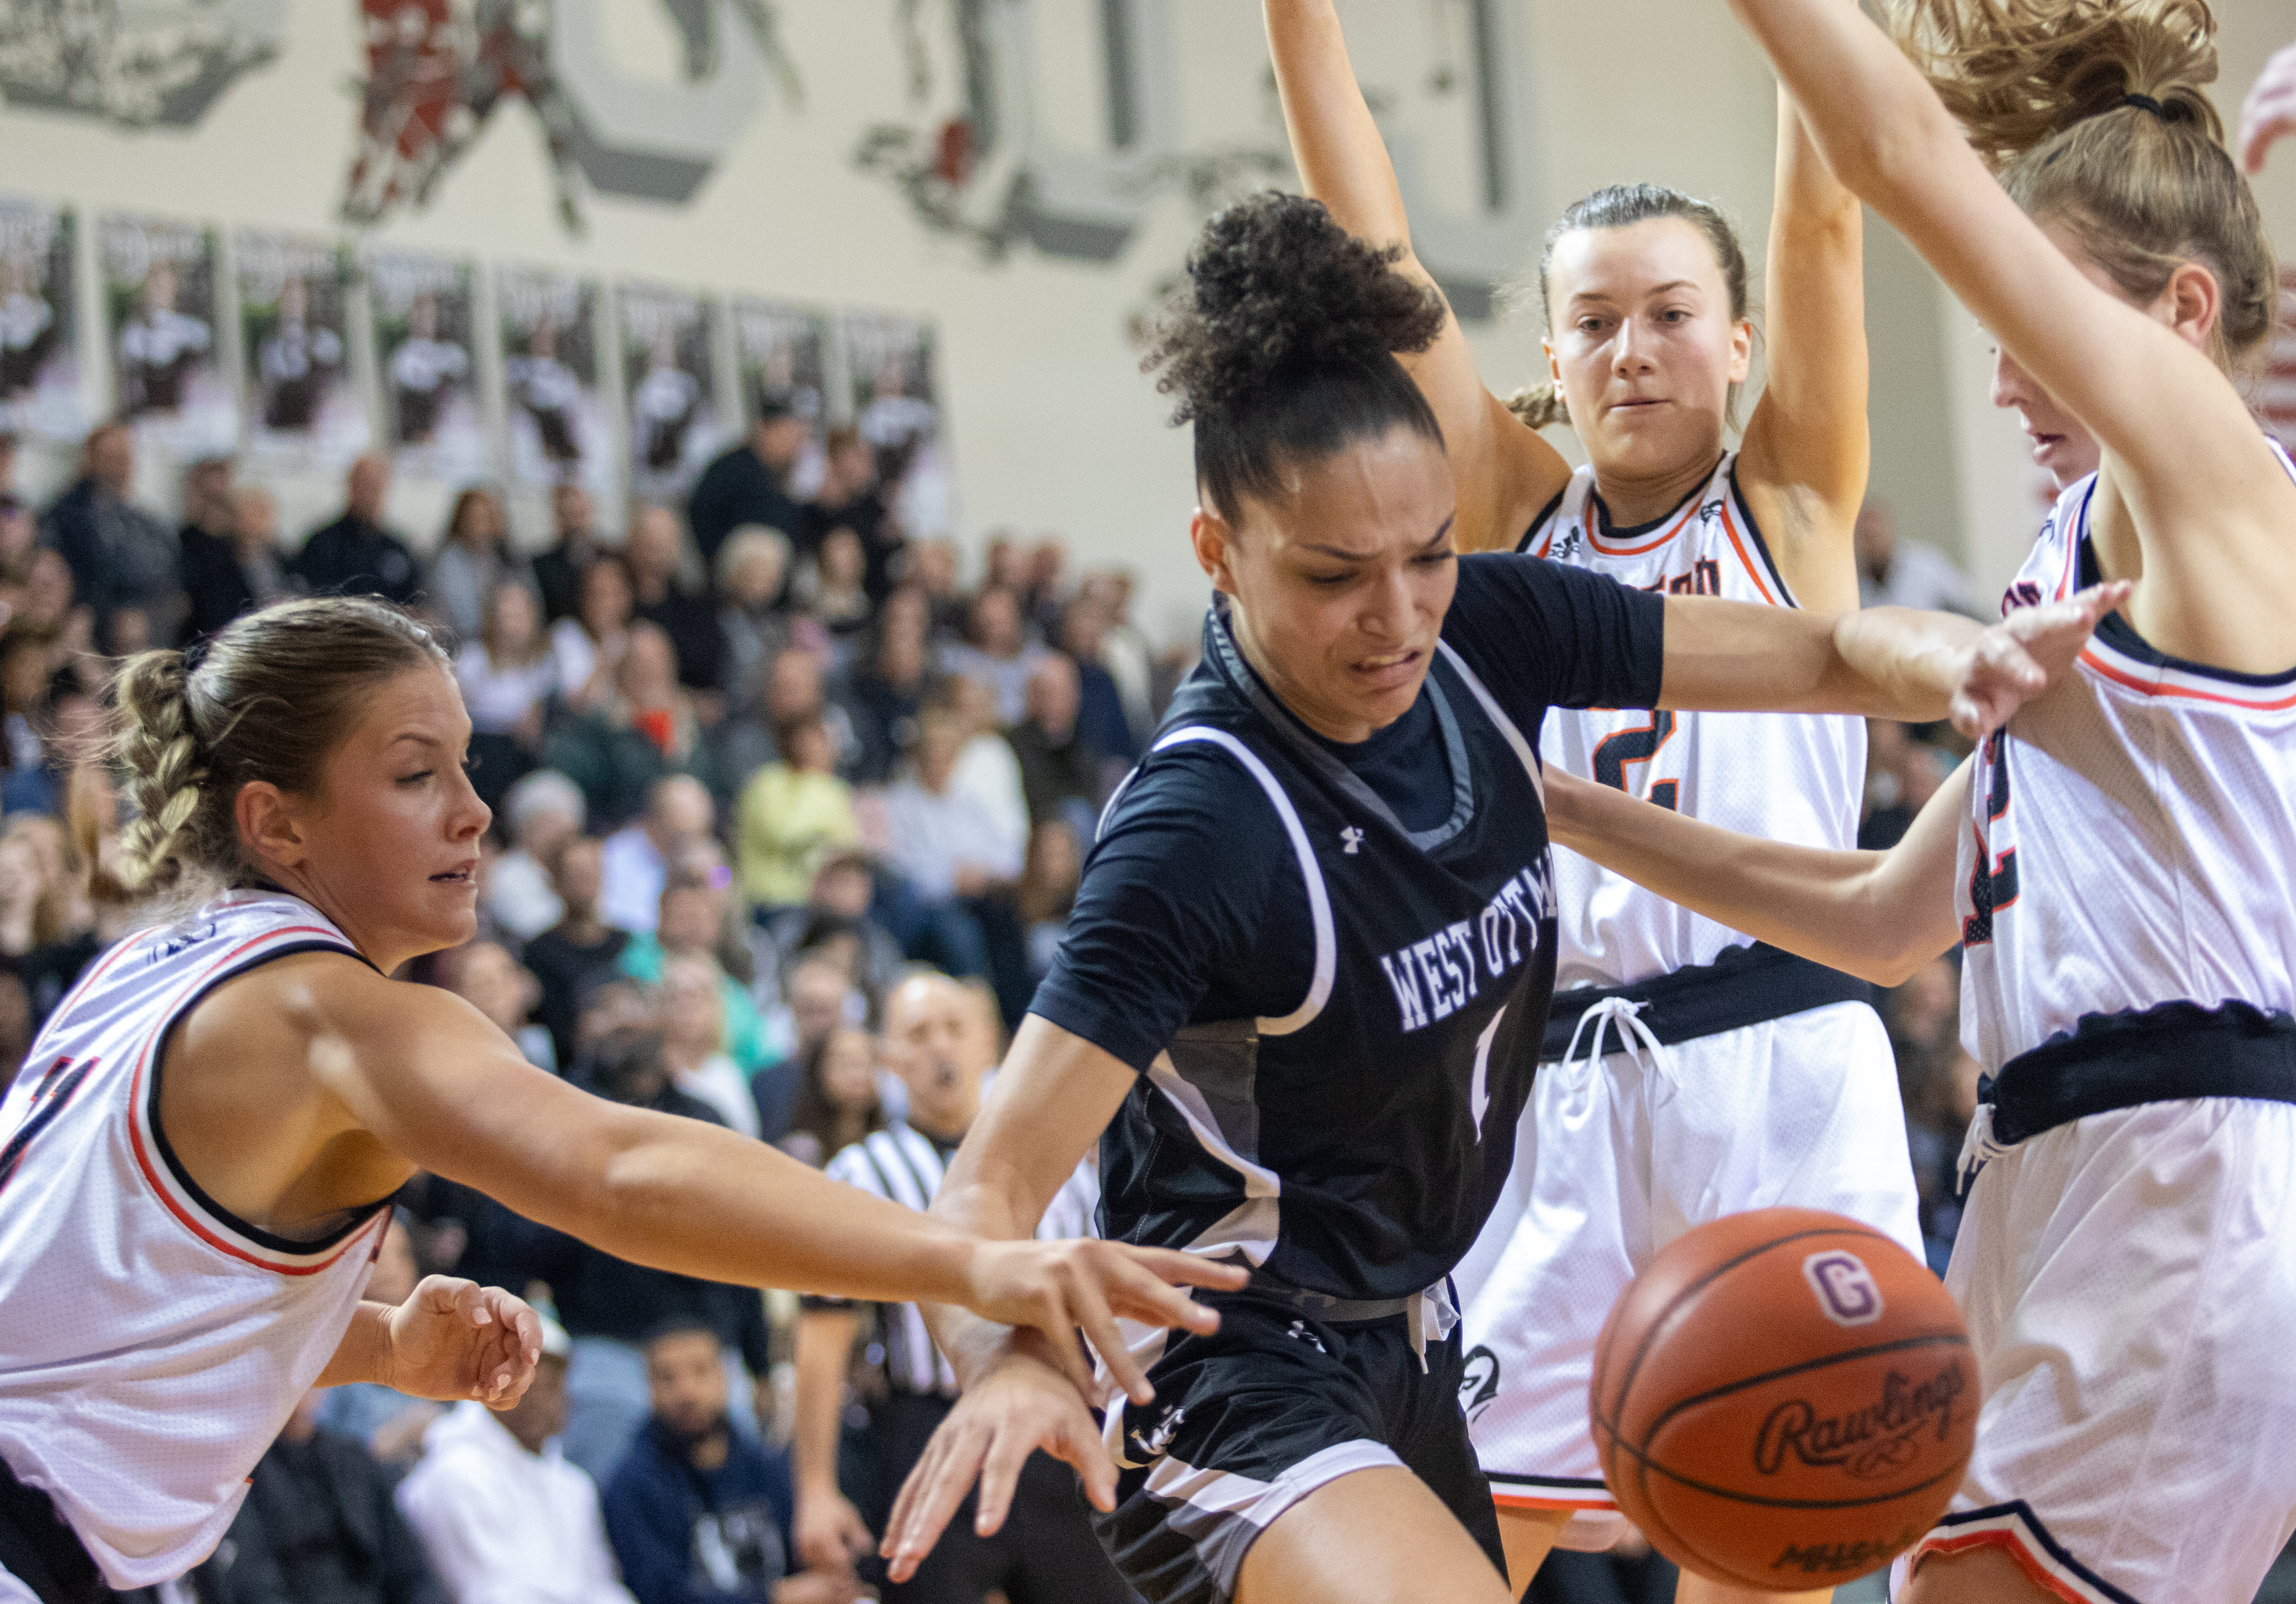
(941, 1040)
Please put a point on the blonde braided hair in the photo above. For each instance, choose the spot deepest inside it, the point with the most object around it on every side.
(160, 751)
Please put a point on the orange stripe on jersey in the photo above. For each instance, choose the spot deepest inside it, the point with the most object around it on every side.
(2036, 1573)
(1674, 527)
(2154, 687)
(143, 1152)
(1738, 544)
(1592, 1503)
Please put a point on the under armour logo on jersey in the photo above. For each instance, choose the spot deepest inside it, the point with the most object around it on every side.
(1351, 839)
(1152, 1443)
(1301, 1333)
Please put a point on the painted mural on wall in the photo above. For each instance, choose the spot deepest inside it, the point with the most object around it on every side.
(141, 63)
(425, 337)
(437, 71)
(675, 424)
(39, 323)
(295, 346)
(560, 424)
(159, 289)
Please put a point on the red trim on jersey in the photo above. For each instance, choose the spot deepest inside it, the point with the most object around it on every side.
(1673, 529)
(143, 1152)
(1592, 1503)
(2121, 676)
(1730, 528)
(2015, 1546)
(119, 950)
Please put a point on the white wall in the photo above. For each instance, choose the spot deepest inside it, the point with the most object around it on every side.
(1052, 427)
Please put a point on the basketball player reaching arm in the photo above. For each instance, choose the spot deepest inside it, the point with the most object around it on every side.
(1648, 336)
(199, 1158)
(2114, 861)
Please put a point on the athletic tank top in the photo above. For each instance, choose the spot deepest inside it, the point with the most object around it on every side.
(1354, 1145)
(2131, 842)
(151, 1346)
(1788, 777)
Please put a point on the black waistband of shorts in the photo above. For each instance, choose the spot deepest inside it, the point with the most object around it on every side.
(40, 1551)
(1744, 986)
(2164, 1053)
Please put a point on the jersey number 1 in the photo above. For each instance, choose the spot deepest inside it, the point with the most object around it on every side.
(1614, 752)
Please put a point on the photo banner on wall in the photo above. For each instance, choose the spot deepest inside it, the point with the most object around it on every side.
(39, 323)
(674, 429)
(560, 426)
(425, 318)
(159, 291)
(896, 409)
(782, 351)
(295, 337)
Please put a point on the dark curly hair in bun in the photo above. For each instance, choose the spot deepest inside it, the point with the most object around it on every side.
(1283, 347)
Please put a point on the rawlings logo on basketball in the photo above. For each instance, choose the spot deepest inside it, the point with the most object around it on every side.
(1845, 1288)
(1866, 1442)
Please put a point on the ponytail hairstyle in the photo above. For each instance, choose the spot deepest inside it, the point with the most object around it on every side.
(267, 699)
(1622, 206)
(2094, 114)
(1282, 348)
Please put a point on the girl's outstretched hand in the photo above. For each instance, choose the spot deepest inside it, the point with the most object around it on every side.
(454, 1339)
(2024, 654)
(1063, 1287)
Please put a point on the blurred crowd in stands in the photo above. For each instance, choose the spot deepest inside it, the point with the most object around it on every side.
(787, 819)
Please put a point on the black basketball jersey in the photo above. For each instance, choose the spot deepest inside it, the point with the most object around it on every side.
(1351, 1134)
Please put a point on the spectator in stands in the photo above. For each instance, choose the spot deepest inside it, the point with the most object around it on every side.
(693, 1040)
(1124, 651)
(655, 551)
(1922, 768)
(20, 537)
(792, 814)
(679, 811)
(504, 1518)
(589, 645)
(689, 924)
(952, 850)
(850, 499)
(47, 930)
(541, 812)
(389, 1423)
(840, 906)
(792, 689)
(650, 728)
(1100, 716)
(204, 537)
(573, 955)
(750, 483)
(508, 676)
(1895, 573)
(699, 1513)
(484, 975)
(829, 588)
(609, 1305)
(752, 571)
(995, 650)
(472, 560)
(15, 1025)
(1003, 564)
(885, 691)
(933, 570)
(8, 450)
(1047, 892)
(27, 653)
(558, 567)
(1060, 769)
(356, 555)
(987, 769)
(940, 1043)
(122, 559)
(226, 577)
(837, 1100)
(319, 1527)
(1044, 587)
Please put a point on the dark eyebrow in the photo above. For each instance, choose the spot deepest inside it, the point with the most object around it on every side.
(1604, 295)
(1346, 556)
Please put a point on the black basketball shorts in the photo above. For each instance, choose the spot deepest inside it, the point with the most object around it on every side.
(1250, 1421)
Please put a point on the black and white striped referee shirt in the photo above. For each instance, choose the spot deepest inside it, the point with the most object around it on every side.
(905, 1165)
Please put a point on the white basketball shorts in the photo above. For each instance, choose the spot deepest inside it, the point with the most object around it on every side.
(1617, 1156)
(2130, 1280)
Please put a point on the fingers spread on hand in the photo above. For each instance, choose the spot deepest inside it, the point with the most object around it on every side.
(931, 1494)
(1000, 1474)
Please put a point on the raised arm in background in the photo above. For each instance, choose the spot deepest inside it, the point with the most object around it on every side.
(2191, 503)
(1503, 470)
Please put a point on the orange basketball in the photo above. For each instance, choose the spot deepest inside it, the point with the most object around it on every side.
(1784, 1399)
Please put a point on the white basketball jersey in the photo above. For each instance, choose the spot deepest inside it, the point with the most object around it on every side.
(2132, 837)
(150, 1346)
(1788, 777)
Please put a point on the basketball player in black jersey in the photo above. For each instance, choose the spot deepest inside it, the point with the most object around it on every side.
(1303, 988)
